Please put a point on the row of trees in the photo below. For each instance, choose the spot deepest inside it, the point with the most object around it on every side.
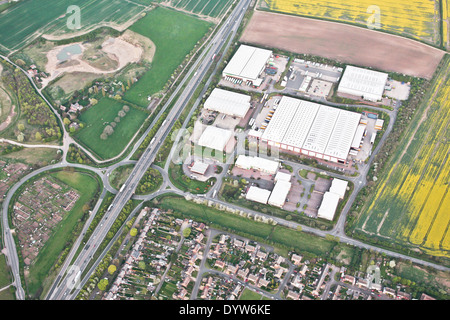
(109, 129)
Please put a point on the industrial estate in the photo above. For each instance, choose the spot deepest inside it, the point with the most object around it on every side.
(224, 150)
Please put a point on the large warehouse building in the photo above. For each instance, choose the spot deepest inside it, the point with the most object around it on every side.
(228, 102)
(312, 129)
(364, 83)
(247, 63)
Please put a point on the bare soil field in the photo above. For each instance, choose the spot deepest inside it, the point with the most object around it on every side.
(344, 43)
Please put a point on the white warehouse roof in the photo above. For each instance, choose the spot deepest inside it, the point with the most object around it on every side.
(257, 163)
(340, 140)
(363, 82)
(247, 62)
(215, 138)
(257, 194)
(282, 176)
(339, 187)
(312, 128)
(228, 102)
(328, 206)
(279, 193)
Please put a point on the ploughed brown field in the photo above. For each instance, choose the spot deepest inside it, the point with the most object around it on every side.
(341, 42)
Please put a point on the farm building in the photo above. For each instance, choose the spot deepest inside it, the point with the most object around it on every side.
(257, 163)
(258, 195)
(364, 83)
(228, 102)
(279, 193)
(215, 138)
(247, 63)
(312, 129)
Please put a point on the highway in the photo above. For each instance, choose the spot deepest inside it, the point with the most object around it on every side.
(62, 290)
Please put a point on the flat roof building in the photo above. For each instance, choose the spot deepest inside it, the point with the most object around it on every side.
(364, 83)
(328, 206)
(339, 187)
(257, 163)
(199, 167)
(215, 138)
(312, 129)
(282, 176)
(257, 194)
(247, 63)
(228, 102)
(279, 193)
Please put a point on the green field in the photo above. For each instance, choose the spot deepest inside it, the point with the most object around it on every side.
(26, 20)
(4, 272)
(279, 236)
(88, 187)
(97, 117)
(212, 8)
(175, 35)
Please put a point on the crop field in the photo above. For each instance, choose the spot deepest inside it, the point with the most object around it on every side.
(418, 19)
(212, 8)
(445, 23)
(174, 35)
(412, 200)
(342, 42)
(28, 19)
(101, 115)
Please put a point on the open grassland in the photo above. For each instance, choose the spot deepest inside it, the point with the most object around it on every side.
(174, 35)
(31, 18)
(87, 186)
(211, 8)
(418, 19)
(411, 202)
(101, 115)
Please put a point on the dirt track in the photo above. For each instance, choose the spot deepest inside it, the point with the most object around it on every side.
(341, 42)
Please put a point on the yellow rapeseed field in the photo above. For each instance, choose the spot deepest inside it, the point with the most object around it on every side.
(412, 200)
(415, 18)
(445, 22)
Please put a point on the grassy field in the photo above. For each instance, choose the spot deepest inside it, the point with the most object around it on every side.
(212, 8)
(418, 19)
(174, 35)
(278, 235)
(411, 201)
(21, 24)
(97, 117)
(4, 273)
(88, 187)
